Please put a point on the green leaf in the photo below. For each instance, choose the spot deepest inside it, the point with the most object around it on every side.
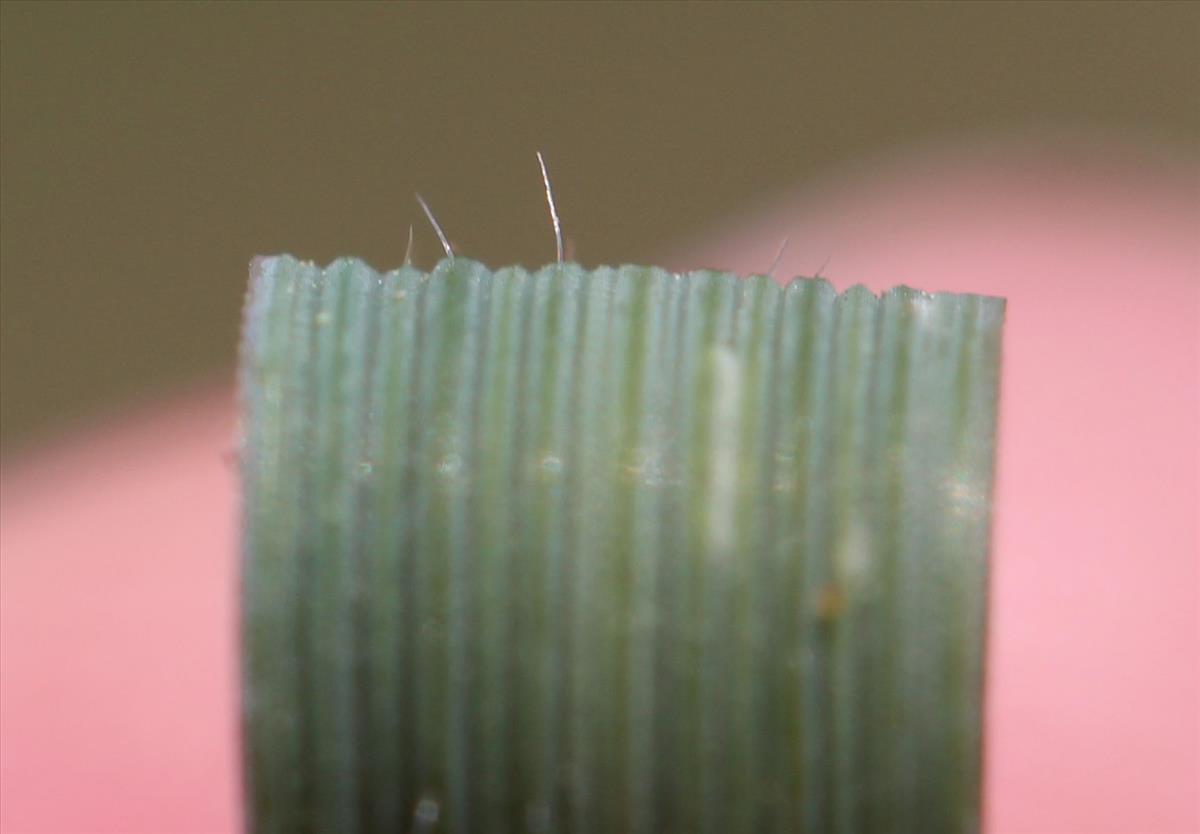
(612, 551)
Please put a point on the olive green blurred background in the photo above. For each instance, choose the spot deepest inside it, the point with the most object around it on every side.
(149, 150)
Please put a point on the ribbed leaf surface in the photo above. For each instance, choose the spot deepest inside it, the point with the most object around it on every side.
(612, 551)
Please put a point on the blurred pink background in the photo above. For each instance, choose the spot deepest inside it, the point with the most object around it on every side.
(117, 599)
